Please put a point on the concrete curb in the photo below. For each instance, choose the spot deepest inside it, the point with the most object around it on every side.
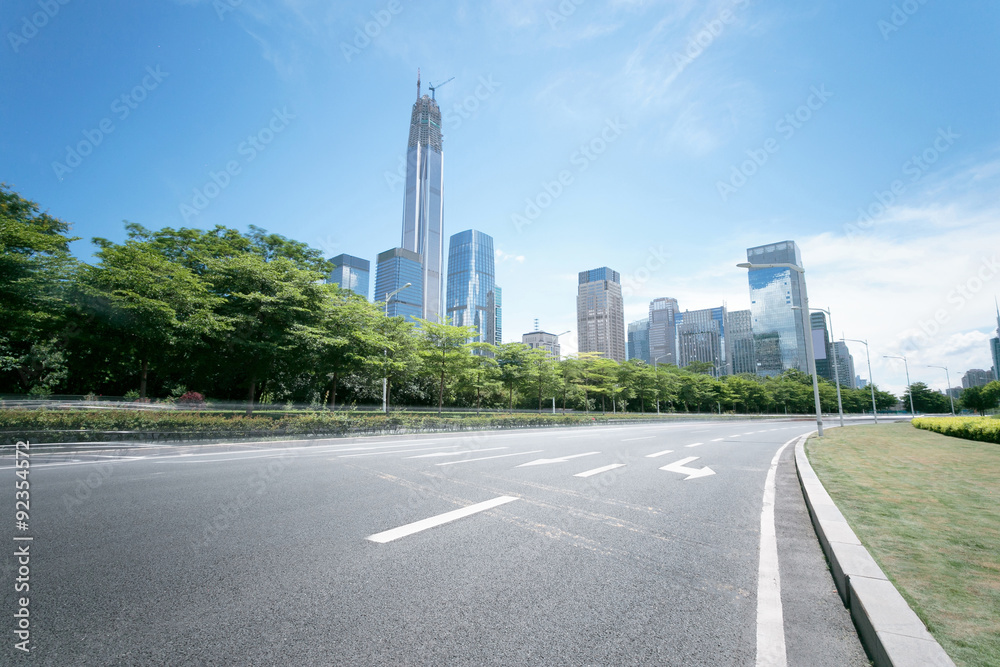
(890, 631)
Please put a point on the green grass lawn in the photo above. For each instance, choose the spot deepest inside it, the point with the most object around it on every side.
(927, 507)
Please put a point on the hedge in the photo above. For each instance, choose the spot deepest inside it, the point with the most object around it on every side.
(984, 429)
(54, 426)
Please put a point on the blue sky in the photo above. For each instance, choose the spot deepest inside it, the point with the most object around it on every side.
(683, 133)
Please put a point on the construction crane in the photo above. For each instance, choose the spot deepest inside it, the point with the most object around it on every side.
(433, 87)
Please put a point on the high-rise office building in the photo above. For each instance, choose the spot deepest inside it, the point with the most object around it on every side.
(976, 377)
(423, 210)
(701, 336)
(821, 346)
(638, 340)
(995, 347)
(542, 340)
(350, 273)
(739, 342)
(393, 269)
(845, 364)
(779, 331)
(600, 313)
(495, 305)
(663, 330)
(471, 296)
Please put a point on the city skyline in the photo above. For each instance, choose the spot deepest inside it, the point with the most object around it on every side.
(657, 138)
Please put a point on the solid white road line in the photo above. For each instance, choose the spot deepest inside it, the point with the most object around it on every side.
(696, 444)
(770, 620)
(647, 437)
(395, 451)
(717, 439)
(461, 451)
(424, 524)
(597, 471)
(486, 458)
(665, 451)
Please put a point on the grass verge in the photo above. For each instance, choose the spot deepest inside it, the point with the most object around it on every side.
(927, 507)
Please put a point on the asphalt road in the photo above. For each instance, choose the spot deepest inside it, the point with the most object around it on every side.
(289, 553)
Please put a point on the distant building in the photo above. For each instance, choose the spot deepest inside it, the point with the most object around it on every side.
(393, 269)
(995, 348)
(976, 377)
(860, 382)
(821, 346)
(701, 337)
(663, 330)
(600, 313)
(845, 364)
(542, 340)
(739, 342)
(350, 273)
(779, 331)
(470, 297)
(638, 340)
(495, 304)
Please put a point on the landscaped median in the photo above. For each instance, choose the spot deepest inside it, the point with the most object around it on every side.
(53, 426)
(927, 508)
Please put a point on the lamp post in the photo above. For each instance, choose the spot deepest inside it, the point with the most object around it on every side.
(656, 374)
(385, 350)
(948, 378)
(559, 358)
(871, 383)
(909, 387)
(836, 364)
(806, 330)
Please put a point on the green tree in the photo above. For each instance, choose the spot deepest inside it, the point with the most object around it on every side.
(512, 361)
(925, 399)
(482, 375)
(541, 373)
(445, 351)
(981, 399)
(149, 304)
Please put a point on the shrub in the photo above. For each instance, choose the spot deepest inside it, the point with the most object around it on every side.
(191, 397)
(984, 429)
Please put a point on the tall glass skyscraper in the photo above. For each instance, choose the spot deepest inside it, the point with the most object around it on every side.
(739, 342)
(701, 336)
(663, 330)
(495, 302)
(779, 332)
(471, 299)
(638, 340)
(600, 313)
(351, 273)
(423, 211)
(395, 268)
(995, 348)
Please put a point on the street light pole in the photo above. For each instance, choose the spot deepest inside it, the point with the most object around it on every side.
(909, 387)
(836, 367)
(806, 330)
(948, 379)
(385, 351)
(871, 382)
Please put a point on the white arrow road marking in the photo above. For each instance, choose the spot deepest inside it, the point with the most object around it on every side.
(424, 524)
(665, 451)
(541, 462)
(597, 471)
(678, 466)
(697, 444)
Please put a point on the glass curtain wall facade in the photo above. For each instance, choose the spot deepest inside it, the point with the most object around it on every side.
(779, 331)
(845, 364)
(423, 210)
(351, 273)
(739, 342)
(701, 336)
(995, 349)
(495, 302)
(471, 289)
(638, 340)
(393, 269)
(600, 314)
(663, 330)
(821, 346)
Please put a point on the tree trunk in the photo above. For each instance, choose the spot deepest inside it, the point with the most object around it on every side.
(479, 398)
(333, 391)
(250, 396)
(441, 395)
(142, 381)
(539, 395)
(510, 405)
